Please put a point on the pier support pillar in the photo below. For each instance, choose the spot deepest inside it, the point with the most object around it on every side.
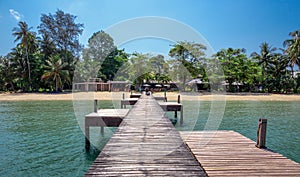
(261, 133)
(87, 144)
(95, 105)
(102, 130)
(165, 95)
(87, 136)
(181, 116)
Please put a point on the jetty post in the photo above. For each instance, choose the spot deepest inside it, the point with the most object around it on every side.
(175, 114)
(96, 111)
(261, 133)
(87, 129)
(95, 105)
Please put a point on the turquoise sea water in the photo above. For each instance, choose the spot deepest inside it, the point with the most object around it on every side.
(43, 138)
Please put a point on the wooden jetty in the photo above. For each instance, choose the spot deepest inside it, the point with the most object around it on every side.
(160, 98)
(166, 106)
(146, 144)
(103, 118)
(128, 101)
(173, 106)
(228, 153)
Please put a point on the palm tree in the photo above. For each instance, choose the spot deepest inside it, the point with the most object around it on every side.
(47, 46)
(18, 62)
(265, 57)
(278, 77)
(54, 69)
(293, 49)
(6, 73)
(27, 41)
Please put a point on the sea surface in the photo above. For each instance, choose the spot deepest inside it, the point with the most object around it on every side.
(43, 138)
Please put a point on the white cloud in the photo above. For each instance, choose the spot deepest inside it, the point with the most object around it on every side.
(15, 14)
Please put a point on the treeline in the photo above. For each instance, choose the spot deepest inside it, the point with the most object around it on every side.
(52, 58)
(270, 70)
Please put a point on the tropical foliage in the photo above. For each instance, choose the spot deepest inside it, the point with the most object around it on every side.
(52, 58)
(54, 70)
(58, 38)
(101, 58)
(143, 68)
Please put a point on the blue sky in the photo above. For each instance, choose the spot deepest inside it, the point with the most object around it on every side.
(223, 23)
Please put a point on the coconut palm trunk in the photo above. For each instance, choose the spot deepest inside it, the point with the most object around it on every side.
(29, 70)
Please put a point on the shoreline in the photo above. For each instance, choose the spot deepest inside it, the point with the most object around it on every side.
(119, 96)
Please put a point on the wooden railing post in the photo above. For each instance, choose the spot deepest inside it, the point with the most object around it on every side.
(95, 105)
(261, 133)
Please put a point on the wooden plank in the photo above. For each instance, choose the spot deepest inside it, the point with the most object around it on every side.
(160, 98)
(103, 118)
(128, 101)
(135, 95)
(173, 106)
(106, 117)
(228, 153)
(146, 144)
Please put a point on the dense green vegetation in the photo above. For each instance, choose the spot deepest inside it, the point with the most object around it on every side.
(52, 59)
(45, 61)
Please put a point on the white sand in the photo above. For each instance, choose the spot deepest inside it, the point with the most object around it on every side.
(119, 95)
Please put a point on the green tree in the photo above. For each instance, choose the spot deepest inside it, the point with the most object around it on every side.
(278, 78)
(54, 69)
(189, 55)
(27, 43)
(139, 69)
(237, 68)
(145, 68)
(102, 55)
(38, 61)
(18, 62)
(61, 30)
(160, 68)
(7, 74)
(293, 49)
(112, 64)
(264, 57)
(47, 46)
(100, 45)
(158, 63)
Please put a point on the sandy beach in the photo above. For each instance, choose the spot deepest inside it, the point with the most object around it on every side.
(119, 95)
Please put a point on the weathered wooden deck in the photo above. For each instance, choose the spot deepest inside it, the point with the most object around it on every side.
(166, 106)
(228, 153)
(128, 101)
(135, 95)
(146, 144)
(103, 118)
(173, 106)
